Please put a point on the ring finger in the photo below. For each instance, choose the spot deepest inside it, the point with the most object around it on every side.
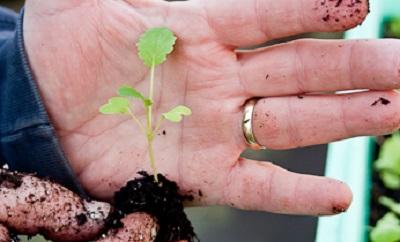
(289, 122)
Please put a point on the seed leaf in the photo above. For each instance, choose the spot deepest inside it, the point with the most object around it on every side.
(116, 105)
(154, 46)
(176, 114)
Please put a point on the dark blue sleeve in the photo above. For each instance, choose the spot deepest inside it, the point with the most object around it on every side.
(28, 142)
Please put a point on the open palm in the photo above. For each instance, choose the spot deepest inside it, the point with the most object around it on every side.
(82, 51)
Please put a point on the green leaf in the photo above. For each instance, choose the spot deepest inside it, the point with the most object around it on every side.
(176, 114)
(390, 204)
(387, 229)
(154, 46)
(390, 180)
(388, 163)
(116, 105)
(127, 91)
(394, 27)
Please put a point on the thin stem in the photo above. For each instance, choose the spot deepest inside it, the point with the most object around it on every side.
(137, 121)
(152, 160)
(151, 95)
(150, 132)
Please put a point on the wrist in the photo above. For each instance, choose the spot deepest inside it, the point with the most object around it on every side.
(27, 138)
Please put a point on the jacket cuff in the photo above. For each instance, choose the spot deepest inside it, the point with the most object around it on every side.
(28, 141)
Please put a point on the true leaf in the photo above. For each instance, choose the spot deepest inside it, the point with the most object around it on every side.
(176, 114)
(387, 229)
(154, 46)
(127, 91)
(116, 105)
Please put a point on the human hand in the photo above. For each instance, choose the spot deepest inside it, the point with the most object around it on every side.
(31, 206)
(82, 51)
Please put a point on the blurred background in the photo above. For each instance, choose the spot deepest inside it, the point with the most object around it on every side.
(216, 224)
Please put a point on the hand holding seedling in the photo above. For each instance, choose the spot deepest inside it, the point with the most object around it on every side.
(82, 52)
(153, 48)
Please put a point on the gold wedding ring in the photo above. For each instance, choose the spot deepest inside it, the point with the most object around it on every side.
(247, 125)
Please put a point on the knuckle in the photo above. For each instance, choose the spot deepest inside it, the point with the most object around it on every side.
(391, 121)
(390, 116)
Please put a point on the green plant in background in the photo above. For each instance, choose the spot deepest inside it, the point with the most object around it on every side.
(387, 228)
(153, 48)
(388, 163)
(393, 27)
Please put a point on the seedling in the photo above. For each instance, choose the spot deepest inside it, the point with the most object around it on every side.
(387, 228)
(388, 163)
(388, 166)
(153, 48)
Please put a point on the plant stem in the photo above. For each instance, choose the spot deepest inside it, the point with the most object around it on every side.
(151, 94)
(137, 121)
(152, 160)
(150, 132)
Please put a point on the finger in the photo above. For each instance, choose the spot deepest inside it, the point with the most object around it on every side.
(315, 66)
(136, 227)
(30, 206)
(4, 234)
(288, 122)
(263, 186)
(242, 23)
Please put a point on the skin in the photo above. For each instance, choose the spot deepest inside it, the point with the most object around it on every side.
(82, 51)
(4, 235)
(29, 205)
(138, 227)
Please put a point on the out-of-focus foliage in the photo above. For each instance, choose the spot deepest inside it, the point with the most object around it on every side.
(393, 28)
(388, 163)
(387, 229)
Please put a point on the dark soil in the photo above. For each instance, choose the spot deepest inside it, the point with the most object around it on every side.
(81, 219)
(161, 200)
(10, 180)
(14, 236)
(381, 100)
